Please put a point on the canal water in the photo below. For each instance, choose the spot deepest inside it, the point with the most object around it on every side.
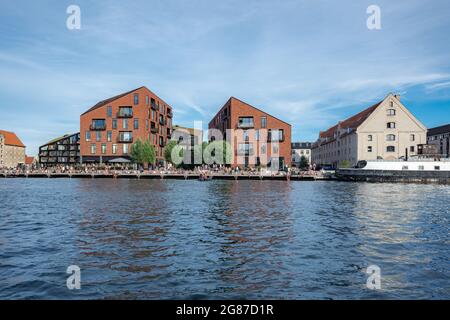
(175, 239)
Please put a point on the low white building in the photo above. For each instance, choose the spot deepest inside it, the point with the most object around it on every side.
(299, 150)
(386, 130)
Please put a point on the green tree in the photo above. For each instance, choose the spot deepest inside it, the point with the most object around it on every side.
(148, 153)
(345, 164)
(137, 151)
(304, 163)
(218, 152)
(169, 150)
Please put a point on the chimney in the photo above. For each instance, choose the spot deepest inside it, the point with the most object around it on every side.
(397, 96)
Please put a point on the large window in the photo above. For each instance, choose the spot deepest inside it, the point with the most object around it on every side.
(390, 149)
(245, 122)
(245, 149)
(390, 137)
(125, 112)
(276, 135)
(126, 136)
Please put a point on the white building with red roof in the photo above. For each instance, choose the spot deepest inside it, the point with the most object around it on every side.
(387, 130)
(12, 150)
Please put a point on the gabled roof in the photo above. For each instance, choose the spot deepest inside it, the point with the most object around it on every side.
(109, 100)
(351, 123)
(234, 98)
(11, 139)
(29, 160)
(439, 130)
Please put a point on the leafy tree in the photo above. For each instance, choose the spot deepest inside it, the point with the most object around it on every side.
(137, 151)
(345, 164)
(172, 148)
(148, 153)
(304, 163)
(218, 152)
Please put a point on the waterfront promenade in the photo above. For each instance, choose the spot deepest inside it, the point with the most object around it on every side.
(169, 175)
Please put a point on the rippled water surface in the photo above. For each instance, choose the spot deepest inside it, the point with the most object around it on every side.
(222, 239)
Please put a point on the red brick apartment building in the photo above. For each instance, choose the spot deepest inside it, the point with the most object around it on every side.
(257, 138)
(108, 129)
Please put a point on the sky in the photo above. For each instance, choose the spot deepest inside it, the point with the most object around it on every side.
(310, 63)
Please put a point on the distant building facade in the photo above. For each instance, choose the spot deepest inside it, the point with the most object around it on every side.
(108, 129)
(260, 139)
(440, 137)
(64, 150)
(12, 150)
(299, 150)
(386, 130)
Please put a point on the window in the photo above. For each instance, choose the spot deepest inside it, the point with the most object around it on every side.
(369, 137)
(412, 137)
(125, 123)
(88, 136)
(136, 98)
(369, 149)
(390, 112)
(98, 136)
(263, 149)
(93, 148)
(411, 149)
(109, 136)
(390, 149)
(147, 101)
(126, 136)
(390, 125)
(437, 168)
(405, 168)
(125, 112)
(136, 124)
(245, 135)
(245, 122)
(257, 134)
(114, 124)
(103, 148)
(109, 112)
(114, 148)
(276, 135)
(125, 148)
(421, 168)
(146, 124)
(245, 149)
(390, 137)
(263, 122)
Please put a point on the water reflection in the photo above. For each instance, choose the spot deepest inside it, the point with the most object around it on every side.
(222, 239)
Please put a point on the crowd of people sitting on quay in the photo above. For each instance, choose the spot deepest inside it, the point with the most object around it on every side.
(204, 171)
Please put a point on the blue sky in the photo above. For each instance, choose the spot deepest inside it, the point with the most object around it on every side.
(311, 63)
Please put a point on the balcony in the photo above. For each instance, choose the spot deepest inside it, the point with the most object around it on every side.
(169, 133)
(154, 106)
(162, 122)
(154, 128)
(125, 113)
(161, 143)
(169, 113)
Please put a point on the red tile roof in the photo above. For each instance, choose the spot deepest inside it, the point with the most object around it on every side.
(11, 139)
(351, 123)
(29, 160)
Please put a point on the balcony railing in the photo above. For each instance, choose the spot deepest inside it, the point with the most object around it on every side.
(169, 133)
(154, 106)
(154, 129)
(161, 144)
(123, 139)
(97, 127)
(170, 114)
